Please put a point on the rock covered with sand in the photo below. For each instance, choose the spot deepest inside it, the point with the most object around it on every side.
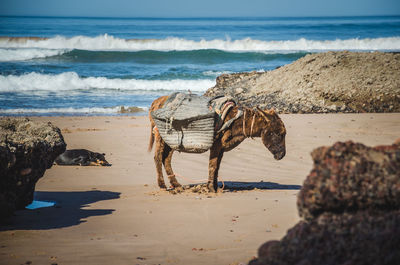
(321, 82)
(27, 149)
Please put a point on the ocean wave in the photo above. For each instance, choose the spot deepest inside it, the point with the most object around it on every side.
(70, 110)
(107, 42)
(142, 57)
(22, 54)
(215, 73)
(72, 81)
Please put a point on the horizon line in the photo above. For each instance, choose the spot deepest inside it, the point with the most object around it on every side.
(199, 17)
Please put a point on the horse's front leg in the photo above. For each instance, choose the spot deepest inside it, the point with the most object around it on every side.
(167, 158)
(158, 159)
(216, 154)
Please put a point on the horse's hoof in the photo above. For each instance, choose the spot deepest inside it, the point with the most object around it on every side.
(211, 188)
(176, 185)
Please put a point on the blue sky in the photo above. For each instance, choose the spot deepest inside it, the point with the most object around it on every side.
(199, 8)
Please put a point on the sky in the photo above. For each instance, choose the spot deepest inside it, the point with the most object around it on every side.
(199, 8)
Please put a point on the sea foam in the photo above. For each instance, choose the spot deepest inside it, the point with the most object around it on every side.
(70, 110)
(72, 81)
(108, 42)
(23, 54)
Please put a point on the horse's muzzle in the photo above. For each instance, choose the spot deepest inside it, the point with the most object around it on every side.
(280, 155)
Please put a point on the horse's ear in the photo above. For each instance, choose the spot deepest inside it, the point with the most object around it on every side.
(262, 112)
(270, 111)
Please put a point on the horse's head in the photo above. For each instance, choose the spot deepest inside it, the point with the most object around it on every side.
(273, 133)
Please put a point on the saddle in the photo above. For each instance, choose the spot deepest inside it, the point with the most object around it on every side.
(189, 122)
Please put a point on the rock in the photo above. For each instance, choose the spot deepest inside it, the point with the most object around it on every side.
(346, 78)
(27, 149)
(239, 90)
(333, 107)
(350, 203)
(350, 177)
(130, 109)
(337, 239)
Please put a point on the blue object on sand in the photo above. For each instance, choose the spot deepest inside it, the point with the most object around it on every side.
(39, 204)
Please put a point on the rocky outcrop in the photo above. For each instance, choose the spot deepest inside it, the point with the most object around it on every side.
(320, 83)
(337, 239)
(348, 177)
(27, 149)
(350, 203)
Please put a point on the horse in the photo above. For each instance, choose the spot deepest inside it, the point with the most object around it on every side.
(253, 123)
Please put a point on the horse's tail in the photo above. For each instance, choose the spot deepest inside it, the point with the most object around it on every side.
(158, 103)
(151, 142)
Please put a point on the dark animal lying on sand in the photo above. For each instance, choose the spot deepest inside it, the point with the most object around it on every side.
(81, 157)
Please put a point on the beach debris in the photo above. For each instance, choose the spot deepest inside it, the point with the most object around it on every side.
(194, 188)
(350, 205)
(27, 149)
(66, 130)
(198, 249)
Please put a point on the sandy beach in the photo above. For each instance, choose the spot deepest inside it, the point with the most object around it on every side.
(118, 215)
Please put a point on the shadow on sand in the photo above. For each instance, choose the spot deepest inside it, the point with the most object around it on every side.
(241, 185)
(238, 185)
(68, 211)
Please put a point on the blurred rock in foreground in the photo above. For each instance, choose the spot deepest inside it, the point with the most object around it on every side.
(334, 239)
(350, 177)
(350, 203)
(319, 83)
(27, 149)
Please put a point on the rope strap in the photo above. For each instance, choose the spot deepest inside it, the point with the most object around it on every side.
(244, 124)
(251, 127)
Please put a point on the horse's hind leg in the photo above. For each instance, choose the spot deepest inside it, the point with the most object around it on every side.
(158, 159)
(216, 155)
(167, 158)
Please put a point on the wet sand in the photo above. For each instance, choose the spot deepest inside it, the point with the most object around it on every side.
(117, 215)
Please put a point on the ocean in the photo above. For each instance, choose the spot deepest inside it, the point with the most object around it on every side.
(107, 66)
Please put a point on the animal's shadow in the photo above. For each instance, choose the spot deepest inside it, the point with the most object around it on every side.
(242, 185)
(69, 210)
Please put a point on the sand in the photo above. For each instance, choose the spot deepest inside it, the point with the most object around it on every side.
(117, 215)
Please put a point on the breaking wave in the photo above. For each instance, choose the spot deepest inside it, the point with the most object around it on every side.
(72, 81)
(107, 42)
(70, 110)
(13, 54)
(209, 56)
